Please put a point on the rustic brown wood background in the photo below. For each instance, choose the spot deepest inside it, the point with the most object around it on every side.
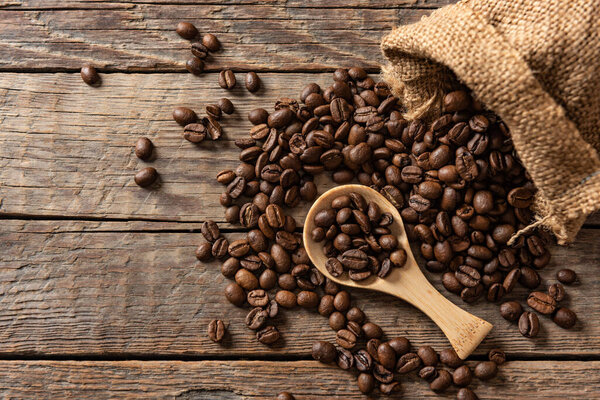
(100, 294)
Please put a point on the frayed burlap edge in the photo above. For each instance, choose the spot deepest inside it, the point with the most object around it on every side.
(455, 43)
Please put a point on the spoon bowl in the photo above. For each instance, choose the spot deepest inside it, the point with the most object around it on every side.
(464, 330)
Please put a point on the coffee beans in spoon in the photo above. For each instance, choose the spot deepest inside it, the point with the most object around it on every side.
(357, 239)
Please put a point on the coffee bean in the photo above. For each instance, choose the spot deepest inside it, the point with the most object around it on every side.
(184, 116)
(485, 370)
(216, 330)
(354, 259)
(199, 50)
(337, 321)
(186, 30)
(468, 276)
(497, 356)
(511, 310)
(213, 128)
(341, 301)
(557, 291)
(382, 374)
(204, 251)
(566, 276)
(280, 118)
(230, 267)
(143, 148)
(256, 318)
(407, 363)
(428, 373)
(90, 75)
(246, 279)
(442, 382)
(346, 339)
(194, 65)
(252, 82)
(286, 299)
(145, 177)
(194, 133)
(466, 394)
(324, 352)
(529, 324)
(285, 396)
(211, 42)
(258, 298)
(565, 318)
(235, 294)
(210, 231)
(529, 278)
(541, 302)
(226, 79)
(307, 299)
(268, 335)
(362, 359)
(456, 101)
(226, 105)
(462, 376)
(366, 383)
(214, 111)
(520, 197)
(450, 358)
(428, 356)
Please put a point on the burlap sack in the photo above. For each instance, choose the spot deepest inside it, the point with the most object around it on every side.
(535, 63)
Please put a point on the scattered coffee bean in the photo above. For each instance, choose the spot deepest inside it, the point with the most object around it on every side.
(90, 75)
(226, 105)
(194, 133)
(564, 318)
(485, 370)
(462, 376)
(146, 176)
(227, 79)
(466, 394)
(268, 335)
(324, 352)
(285, 396)
(194, 65)
(366, 383)
(216, 330)
(184, 116)
(442, 382)
(566, 276)
(143, 148)
(204, 251)
(541, 302)
(252, 82)
(211, 42)
(529, 324)
(497, 356)
(186, 30)
(511, 310)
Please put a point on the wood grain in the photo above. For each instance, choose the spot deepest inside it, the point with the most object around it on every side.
(68, 148)
(237, 380)
(116, 288)
(134, 36)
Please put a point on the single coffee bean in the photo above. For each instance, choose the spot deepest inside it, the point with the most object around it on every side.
(186, 30)
(268, 335)
(258, 298)
(252, 82)
(386, 355)
(497, 356)
(286, 299)
(466, 394)
(520, 197)
(366, 383)
(204, 251)
(307, 299)
(442, 382)
(256, 318)
(345, 359)
(566, 276)
(194, 133)
(210, 231)
(145, 177)
(285, 396)
(194, 65)
(565, 318)
(468, 276)
(246, 279)
(326, 307)
(462, 376)
(450, 358)
(199, 50)
(227, 79)
(407, 363)
(511, 310)
(216, 330)
(235, 294)
(428, 356)
(230, 267)
(529, 324)
(529, 278)
(401, 345)
(90, 75)
(143, 148)
(226, 105)
(211, 42)
(541, 302)
(382, 374)
(324, 352)
(456, 101)
(428, 373)
(341, 301)
(485, 370)
(184, 116)
(557, 291)
(238, 248)
(345, 338)
(362, 360)
(337, 321)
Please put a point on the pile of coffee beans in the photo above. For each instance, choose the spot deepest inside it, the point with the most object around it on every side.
(357, 237)
(381, 363)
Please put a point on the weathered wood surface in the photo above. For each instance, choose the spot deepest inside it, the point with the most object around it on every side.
(237, 380)
(273, 35)
(68, 148)
(98, 288)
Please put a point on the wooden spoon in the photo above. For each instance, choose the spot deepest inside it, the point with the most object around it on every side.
(464, 331)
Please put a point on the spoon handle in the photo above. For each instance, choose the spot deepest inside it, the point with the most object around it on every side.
(464, 330)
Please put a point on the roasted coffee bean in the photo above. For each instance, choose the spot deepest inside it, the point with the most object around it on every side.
(362, 360)
(256, 318)
(184, 116)
(324, 352)
(471, 294)
(226, 106)
(286, 299)
(186, 30)
(194, 133)
(210, 231)
(211, 42)
(337, 321)
(145, 177)
(199, 50)
(511, 310)
(89, 75)
(366, 383)
(462, 376)
(143, 148)
(346, 339)
(450, 358)
(216, 330)
(495, 292)
(268, 335)
(466, 394)
(326, 307)
(213, 111)
(232, 214)
(194, 65)
(557, 291)
(382, 374)
(407, 363)
(485, 370)
(541, 302)
(566, 276)
(442, 382)
(497, 356)
(285, 396)
(258, 298)
(565, 318)
(401, 345)
(372, 331)
(345, 359)
(307, 299)
(428, 373)
(238, 248)
(520, 197)
(468, 276)
(227, 79)
(386, 355)
(341, 301)
(355, 314)
(428, 356)
(252, 82)
(511, 279)
(204, 251)
(354, 259)
(529, 324)
(456, 101)
(235, 294)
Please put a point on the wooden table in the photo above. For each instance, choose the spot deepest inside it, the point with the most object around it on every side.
(100, 293)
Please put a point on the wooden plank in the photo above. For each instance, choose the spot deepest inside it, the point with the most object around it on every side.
(265, 36)
(93, 288)
(232, 380)
(67, 147)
